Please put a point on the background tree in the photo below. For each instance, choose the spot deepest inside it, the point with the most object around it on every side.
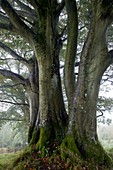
(13, 137)
(14, 103)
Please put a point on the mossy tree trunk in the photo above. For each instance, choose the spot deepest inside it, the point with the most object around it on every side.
(48, 117)
(95, 58)
(52, 117)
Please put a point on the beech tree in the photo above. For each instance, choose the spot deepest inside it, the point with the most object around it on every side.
(37, 22)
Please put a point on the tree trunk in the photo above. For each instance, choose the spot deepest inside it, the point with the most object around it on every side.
(52, 117)
(82, 129)
(69, 75)
(32, 90)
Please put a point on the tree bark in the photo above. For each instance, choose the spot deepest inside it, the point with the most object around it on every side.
(69, 75)
(82, 129)
(52, 117)
(32, 90)
(47, 111)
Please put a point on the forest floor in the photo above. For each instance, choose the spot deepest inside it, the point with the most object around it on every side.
(32, 161)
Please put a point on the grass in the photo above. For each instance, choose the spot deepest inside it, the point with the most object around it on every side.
(7, 159)
(31, 160)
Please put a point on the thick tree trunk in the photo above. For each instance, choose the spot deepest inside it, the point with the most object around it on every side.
(94, 61)
(82, 129)
(52, 117)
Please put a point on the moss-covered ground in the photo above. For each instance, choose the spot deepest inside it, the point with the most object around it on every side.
(30, 159)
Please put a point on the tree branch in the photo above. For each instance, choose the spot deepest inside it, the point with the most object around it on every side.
(12, 119)
(25, 14)
(72, 26)
(13, 54)
(9, 86)
(63, 31)
(101, 113)
(14, 103)
(6, 59)
(26, 7)
(8, 27)
(16, 21)
(32, 2)
(13, 76)
(60, 7)
(108, 9)
(3, 17)
(36, 5)
(76, 65)
(111, 53)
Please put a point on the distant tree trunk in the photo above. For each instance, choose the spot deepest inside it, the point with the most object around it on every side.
(95, 59)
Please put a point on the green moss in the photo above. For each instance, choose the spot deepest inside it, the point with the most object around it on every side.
(89, 151)
(95, 153)
(35, 137)
(30, 133)
(69, 148)
(45, 136)
(44, 139)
